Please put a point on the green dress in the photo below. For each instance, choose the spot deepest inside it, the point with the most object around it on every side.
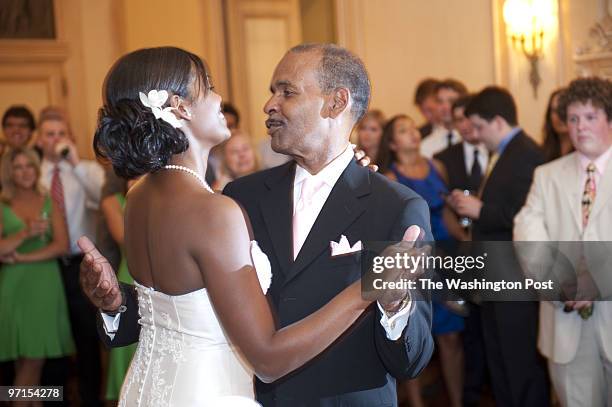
(34, 319)
(120, 358)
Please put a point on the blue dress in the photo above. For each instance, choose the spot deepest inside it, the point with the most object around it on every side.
(433, 189)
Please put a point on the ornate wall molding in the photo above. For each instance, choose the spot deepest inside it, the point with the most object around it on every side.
(33, 51)
(594, 57)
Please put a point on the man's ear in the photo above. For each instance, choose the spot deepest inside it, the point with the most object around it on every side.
(499, 122)
(337, 102)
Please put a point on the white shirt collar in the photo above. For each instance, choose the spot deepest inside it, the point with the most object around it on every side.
(469, 148)
(600, 162)
(48, 166)
(330, 173)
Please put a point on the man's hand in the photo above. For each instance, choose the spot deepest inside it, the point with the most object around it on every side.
(97, 277)
(464, 205)
(363, 159)
(391, 300)
(577, 305)
(73, 155)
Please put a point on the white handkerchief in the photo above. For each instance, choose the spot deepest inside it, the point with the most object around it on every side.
(344, 247)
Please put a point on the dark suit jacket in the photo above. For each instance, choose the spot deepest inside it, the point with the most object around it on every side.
(506, 189)
(454, 162)
(510, 328)
(425, 130)
(356, 370)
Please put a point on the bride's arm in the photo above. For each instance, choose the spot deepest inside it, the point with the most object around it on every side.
(222, 251)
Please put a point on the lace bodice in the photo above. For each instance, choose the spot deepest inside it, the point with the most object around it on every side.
(184, 357)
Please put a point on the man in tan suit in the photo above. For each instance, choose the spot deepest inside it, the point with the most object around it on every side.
(570, 201)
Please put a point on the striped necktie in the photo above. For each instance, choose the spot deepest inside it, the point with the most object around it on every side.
(57, 191)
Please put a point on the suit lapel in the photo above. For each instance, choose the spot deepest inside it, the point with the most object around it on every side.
(570, 182)
(341, 209)
(277, 210)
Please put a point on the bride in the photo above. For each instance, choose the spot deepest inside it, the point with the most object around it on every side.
(206, 323)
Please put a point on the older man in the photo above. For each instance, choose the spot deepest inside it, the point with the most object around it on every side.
(570, 201)
(319, 92)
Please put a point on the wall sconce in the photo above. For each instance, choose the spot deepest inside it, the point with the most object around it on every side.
(527, 21)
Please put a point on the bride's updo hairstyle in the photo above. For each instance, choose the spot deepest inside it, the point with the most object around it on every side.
(128, 134)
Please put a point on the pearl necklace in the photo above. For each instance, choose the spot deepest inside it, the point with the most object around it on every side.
(192, 173)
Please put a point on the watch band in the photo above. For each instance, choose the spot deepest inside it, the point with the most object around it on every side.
(123, 307)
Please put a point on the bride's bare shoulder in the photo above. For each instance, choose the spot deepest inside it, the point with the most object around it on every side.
(218, 210)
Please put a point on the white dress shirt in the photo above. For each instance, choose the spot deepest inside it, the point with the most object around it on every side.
(82, 188)
(438, 141)
(468, 156)
(329, 175)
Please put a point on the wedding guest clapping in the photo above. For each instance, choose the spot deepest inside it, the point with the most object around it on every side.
(34, 323)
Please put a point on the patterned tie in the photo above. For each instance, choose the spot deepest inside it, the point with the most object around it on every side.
(304, 218)
(57, 191)
(588, 196)
(476, 173)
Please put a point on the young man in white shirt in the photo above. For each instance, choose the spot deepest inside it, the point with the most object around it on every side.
(444, 135)
(74, 186)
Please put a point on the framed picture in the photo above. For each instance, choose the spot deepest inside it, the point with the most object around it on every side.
(27, 19)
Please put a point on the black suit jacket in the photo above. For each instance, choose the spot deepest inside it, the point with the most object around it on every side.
(506, 189)
(425, 130)
(453, 159)
(510, 328)
(357, 369)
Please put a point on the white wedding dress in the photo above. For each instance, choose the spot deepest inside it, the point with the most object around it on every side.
(183, 356)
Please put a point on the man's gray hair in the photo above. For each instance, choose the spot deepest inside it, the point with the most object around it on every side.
(340, 68)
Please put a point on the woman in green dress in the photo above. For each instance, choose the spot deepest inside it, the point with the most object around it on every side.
(119, 361)
(34, 323)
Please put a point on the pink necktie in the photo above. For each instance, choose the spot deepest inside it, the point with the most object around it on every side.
(304, 216)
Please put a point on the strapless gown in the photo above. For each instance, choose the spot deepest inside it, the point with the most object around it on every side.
(183, 356)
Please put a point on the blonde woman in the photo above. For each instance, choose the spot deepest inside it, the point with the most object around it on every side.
(34, 323)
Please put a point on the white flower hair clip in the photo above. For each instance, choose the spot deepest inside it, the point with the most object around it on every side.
(154, 100)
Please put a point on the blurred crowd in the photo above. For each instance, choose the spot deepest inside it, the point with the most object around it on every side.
(469, 159)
